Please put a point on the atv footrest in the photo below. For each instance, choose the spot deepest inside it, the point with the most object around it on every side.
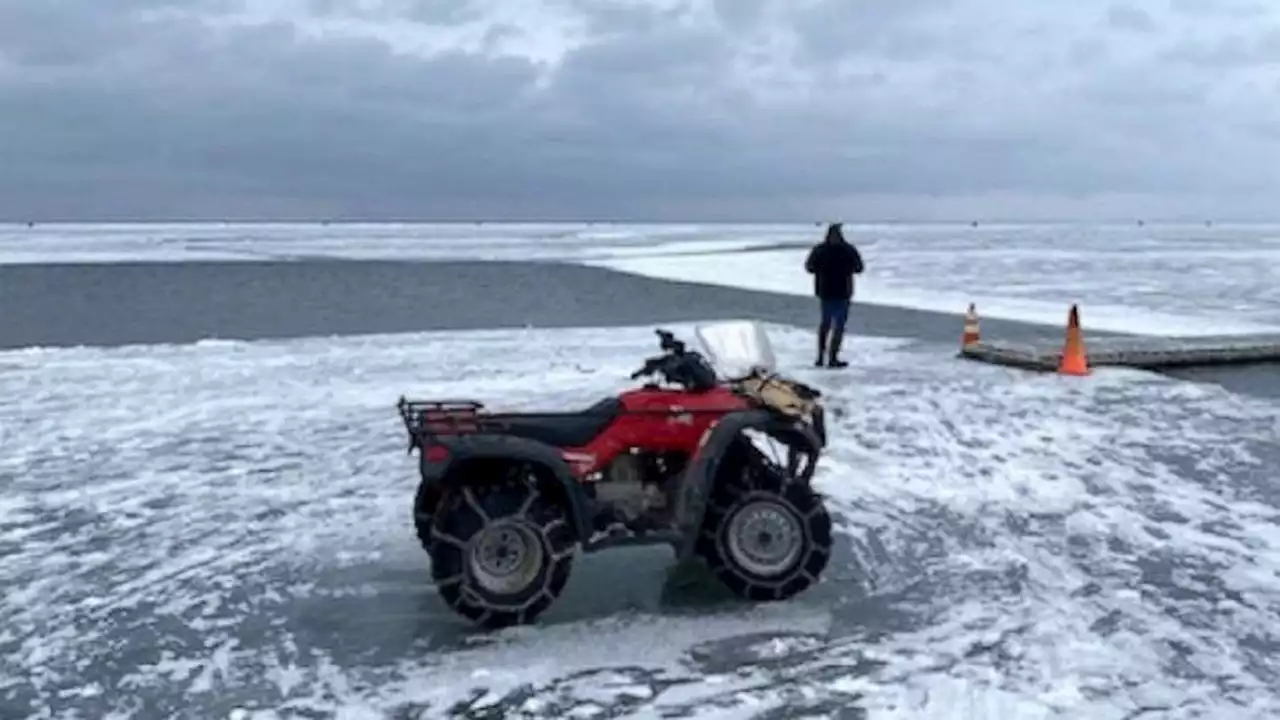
(607, 541)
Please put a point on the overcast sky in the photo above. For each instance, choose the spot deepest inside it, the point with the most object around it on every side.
(660, 109)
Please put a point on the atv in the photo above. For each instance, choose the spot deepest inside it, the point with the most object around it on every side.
(507, 500)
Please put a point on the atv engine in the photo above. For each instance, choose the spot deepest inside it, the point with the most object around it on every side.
(635, 485)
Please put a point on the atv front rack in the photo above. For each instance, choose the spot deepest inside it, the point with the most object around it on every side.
(429, 418)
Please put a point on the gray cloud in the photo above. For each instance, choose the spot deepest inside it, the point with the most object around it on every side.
(608, 108)
(1123, 16)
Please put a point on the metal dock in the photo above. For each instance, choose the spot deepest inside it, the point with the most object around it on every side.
(1147, 353)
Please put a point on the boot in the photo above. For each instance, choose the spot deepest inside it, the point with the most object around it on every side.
(833, 360)
(822, 345)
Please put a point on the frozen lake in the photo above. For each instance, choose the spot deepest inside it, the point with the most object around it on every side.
(1160, 280)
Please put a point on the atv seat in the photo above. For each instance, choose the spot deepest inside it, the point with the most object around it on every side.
(567, 429)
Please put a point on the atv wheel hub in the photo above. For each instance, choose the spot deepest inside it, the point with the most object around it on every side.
(505, 557)
(765, 538)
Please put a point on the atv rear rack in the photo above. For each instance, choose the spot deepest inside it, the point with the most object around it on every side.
(430, 418)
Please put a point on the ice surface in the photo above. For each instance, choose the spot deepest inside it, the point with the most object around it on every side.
(222, 530)
(375, 241)
(1156, 280)
(1220, 285)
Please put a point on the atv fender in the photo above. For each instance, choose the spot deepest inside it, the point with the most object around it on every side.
(505, 447)
(700, 476)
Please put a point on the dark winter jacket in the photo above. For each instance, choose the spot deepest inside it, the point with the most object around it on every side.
(833, 263)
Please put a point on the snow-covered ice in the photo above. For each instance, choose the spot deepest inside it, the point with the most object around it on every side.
(222, 530)
(156, 242)
(1173, 282)
(1158, 279)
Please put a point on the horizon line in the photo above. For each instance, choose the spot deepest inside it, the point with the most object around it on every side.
(631, 221)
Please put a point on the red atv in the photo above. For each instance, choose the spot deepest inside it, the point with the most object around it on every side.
(507, 499)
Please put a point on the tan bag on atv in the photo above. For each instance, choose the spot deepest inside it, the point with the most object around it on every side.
(785, 396)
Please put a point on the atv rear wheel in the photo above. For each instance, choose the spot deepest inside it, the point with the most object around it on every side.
(765, 535)
(500, 555)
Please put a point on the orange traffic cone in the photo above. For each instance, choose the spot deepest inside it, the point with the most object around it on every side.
(1075, 361)
(971, 332)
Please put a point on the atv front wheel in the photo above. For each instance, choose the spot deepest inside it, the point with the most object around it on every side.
(500, 555)
(765, 537)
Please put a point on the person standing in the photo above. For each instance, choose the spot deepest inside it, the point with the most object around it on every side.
(833, 263)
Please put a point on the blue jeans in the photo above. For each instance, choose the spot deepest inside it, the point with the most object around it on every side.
(835, 313)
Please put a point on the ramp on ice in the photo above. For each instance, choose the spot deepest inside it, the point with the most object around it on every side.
(1148, 353)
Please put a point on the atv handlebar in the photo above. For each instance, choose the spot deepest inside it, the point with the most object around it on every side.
(647, 369)
(671, 350)
(677, 365)
(654, 365)
(668, 342)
